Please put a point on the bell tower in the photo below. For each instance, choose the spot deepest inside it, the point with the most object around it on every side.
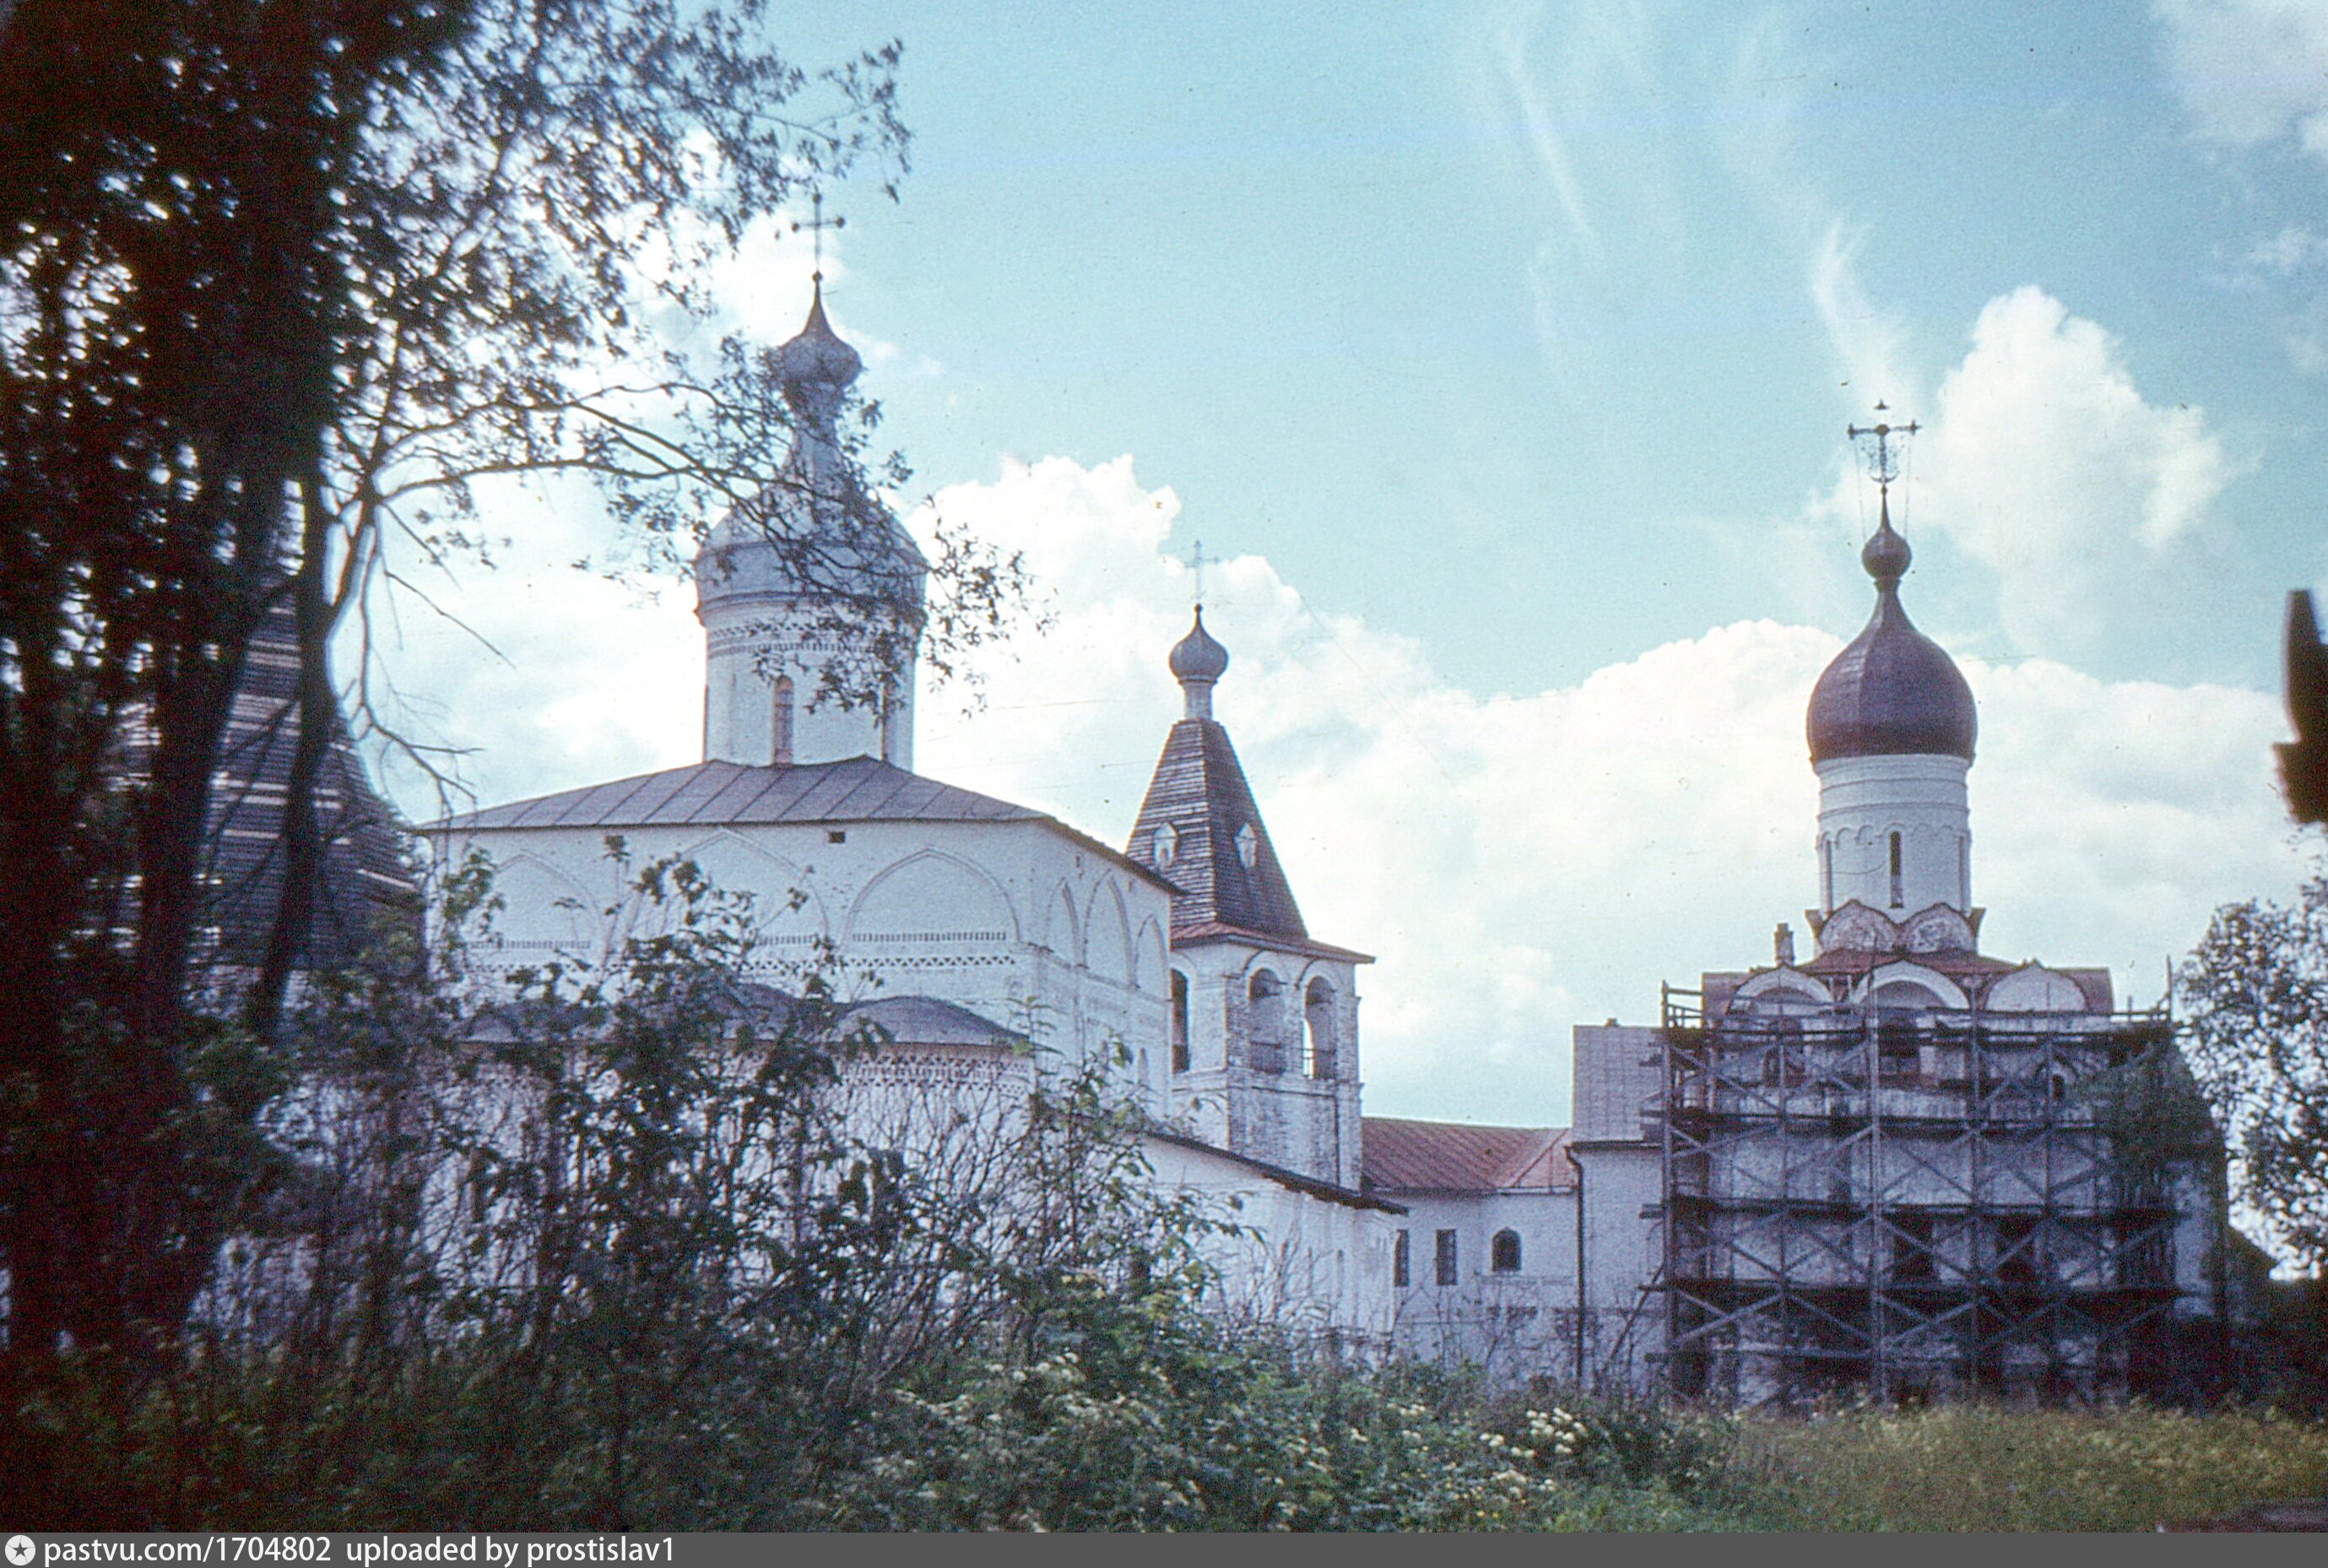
(1264, 1019)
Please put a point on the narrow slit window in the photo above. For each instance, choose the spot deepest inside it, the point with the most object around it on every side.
(780, 722)
(1402, 1256)
(1179, 1022)
(1898, 898)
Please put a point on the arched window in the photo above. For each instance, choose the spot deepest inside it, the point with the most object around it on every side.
(780, 722)
(1503, 1252)
(1179, 1022)
(1167, 844)
(1318, 1018)
(1265, 1022)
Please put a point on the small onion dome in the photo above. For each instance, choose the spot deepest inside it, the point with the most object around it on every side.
(816, 368)
(1196, 657)
(1893, 691)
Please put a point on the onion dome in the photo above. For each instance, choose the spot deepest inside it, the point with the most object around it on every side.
(815, 367)
(1893, 691)
(859, 550)
(1197, 662)
(1196, 657)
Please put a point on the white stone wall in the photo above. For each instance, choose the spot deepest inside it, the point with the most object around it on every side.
(1514, 1325)
(1016, 921)
(1228, 1097)
(1864, 802)
(1618, 1072)
(1306, 1263)
(751, 641)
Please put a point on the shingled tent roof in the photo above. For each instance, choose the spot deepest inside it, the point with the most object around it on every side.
(367, 883)
(1402, 1156)
(1199, 791)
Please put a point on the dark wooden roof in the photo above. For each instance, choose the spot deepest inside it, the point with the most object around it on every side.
(367, 881)
(1455, 1157)
(1199, 791)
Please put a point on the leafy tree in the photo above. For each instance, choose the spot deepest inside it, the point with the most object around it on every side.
(2255, 998)
(282, 282)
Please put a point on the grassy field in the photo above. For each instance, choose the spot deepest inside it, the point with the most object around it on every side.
(1972, 1467)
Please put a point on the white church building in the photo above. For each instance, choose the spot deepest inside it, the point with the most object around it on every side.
(985, 924)
(1874, 1164)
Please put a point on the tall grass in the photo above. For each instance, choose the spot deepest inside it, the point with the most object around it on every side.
(1985, 1468)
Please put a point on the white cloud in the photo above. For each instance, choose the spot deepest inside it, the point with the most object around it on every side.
(1865, 339)
(1518, 864)
(2250, 72)
(543, 677)
(2288, 252)
(2044, 460)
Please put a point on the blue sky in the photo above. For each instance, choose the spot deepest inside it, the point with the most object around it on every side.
(1505, 351)
(1452, 311)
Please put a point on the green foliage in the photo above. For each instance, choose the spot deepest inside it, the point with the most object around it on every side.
(606, 1247)
(1977, 1468)
(2254, 993)
(281, 284)
(601, 1247)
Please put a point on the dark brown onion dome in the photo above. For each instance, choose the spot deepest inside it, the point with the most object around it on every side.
(1893, 691)
(1196, 657)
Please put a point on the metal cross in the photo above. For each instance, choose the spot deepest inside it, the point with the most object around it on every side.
(1880, 443)
(1197, 561)
(816, 227)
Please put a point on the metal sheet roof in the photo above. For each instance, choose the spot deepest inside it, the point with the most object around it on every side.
(733, 795)
(860, 790)
(1402, 1156)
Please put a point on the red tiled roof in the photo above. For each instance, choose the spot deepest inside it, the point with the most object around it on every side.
(1400, 1155)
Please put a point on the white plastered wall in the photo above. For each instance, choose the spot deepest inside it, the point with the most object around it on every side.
(959, 911)
(1863, 801)
(749, 647)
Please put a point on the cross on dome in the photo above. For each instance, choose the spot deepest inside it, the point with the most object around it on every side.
(1892, 691)
(816, 226)
(1197, 561)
